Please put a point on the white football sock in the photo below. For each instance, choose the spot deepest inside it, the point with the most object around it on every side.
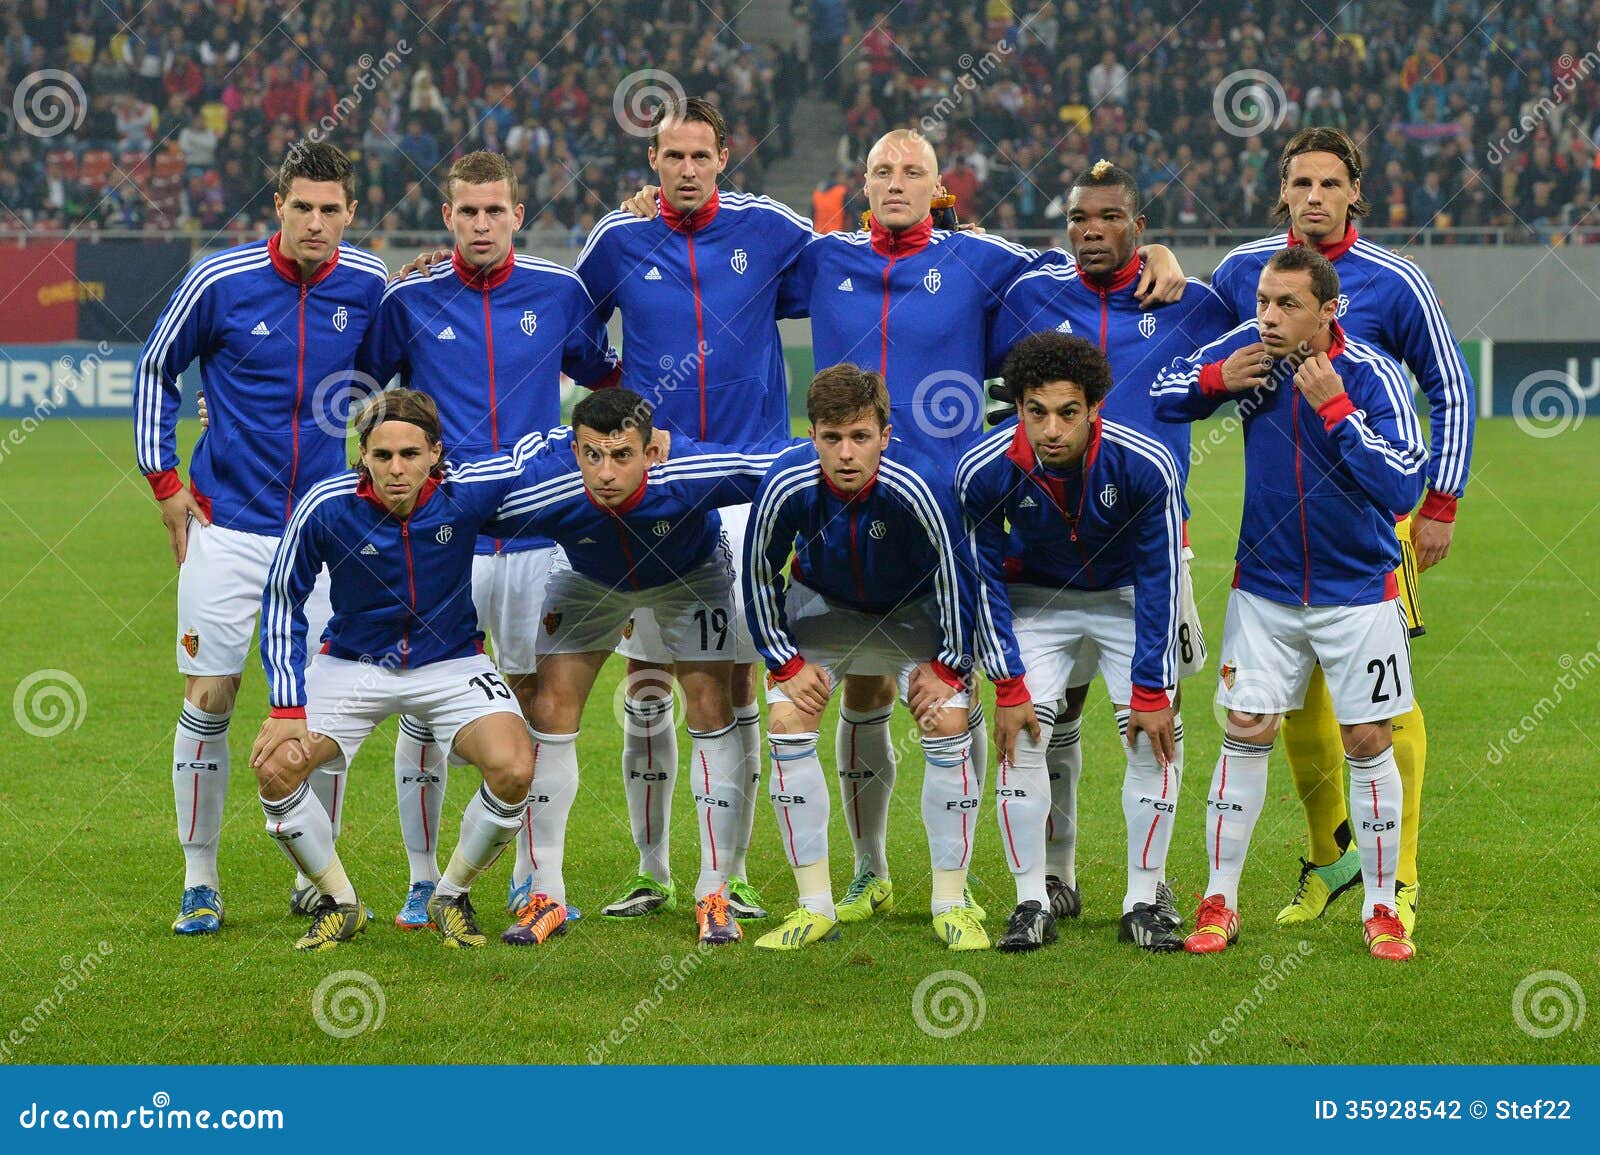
(328, 788)
(300, 825)
(1238, 791)
(816, 890)
(865, 757)
(1375, 800)
(1022, 807)
(1149, 804)
(649, 763)
(799, 795)
(421, 770)
(748, 719)
(980, 740)
(1177, 769)
(555, 787)
(716, 764)
(487, 827)
(1064, 757)
(200, 789)
(949, 801)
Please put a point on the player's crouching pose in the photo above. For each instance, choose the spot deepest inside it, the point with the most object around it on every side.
(1333, 452)
(1091, 513)
(397, 536)
(876, 590)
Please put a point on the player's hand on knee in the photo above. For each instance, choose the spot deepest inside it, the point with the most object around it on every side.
(274, 733)
(175, 513)
(927, 695)
(1431, 539)
(421, 263)
(809, 688)
(1009, 723)
(1158, 727)
(1161, 281)
(643, 203)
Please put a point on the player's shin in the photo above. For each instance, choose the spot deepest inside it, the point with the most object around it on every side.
(1149, 805)
(1022, 808)
(200, 789)
(327, 786)
(800, 803)
(865, 757)
(1064, 760)
(487, 827)
(1238, 791)
(716, 764)
(300, 825)
(1375, 802)
(649, 765)
(421, 769)
(555, 787)
(748, 720)
(980, 740)
(949, 812)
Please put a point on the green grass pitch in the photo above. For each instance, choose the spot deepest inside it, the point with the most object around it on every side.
(90, 869)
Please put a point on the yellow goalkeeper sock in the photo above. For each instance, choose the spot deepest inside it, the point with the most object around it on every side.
(1411, 755)
(1316, 760)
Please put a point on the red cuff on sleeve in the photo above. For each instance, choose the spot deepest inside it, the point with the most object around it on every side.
(1438, 507)
(1011, 692)
(289, 712)
(610, 381)
(948, 676)
(164, 484)
(1211, 380)
(1335, 410)
(789, 669)
(1145, 700)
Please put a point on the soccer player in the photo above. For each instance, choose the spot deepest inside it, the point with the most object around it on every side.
(635, 534)
(275, 325)
(1333, 451)
(488, 336)
(1093, 295)
(397, 535)
(875, 588)
(1086, 517)
(1385, 301)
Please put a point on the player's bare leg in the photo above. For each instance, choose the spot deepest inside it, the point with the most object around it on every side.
(865, 756)
(716, 765)
(649, 769)
(200, 766)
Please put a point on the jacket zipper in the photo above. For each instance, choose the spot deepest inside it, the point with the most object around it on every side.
(411, 581)
(494, 420)
(699, 333)
(627, 550)
(1300, 489)
(299, 393)
(855, 558)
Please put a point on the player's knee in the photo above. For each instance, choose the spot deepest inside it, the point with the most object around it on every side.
(1256, 728)
(214, 695)
(949, 723)
(744, 684)
(868, 693)
(281, 775)
(786, 718)
(511, 779)
(1367, 740)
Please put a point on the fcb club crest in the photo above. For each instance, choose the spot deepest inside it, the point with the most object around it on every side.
(552, 623)
(444, 535)
(661, 528)
(931, 280)
(341, 318)
(627, 630)
(529, 322)
(1344, 303)
(877, 531)
(1108, 496)
(1147, 326)
(1229, 673)
(740, 261)
(191, 643)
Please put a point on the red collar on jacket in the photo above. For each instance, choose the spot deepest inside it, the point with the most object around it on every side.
(858, 495)
(476, 278)
(1338, 340)
(887, 242)
(690, 222)
(289, 269)
(628, 504)
(1118, 281)
(1333, 250)
(365, 491)
(1022, 454)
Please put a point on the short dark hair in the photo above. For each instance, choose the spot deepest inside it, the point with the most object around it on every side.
(481, 168)
(842, 393)
(611, 411)
(1042, 358)
(1323, 138)
(1104, 174)
(690, 108)
(1300, 258)
(409, 405)
(319, 161)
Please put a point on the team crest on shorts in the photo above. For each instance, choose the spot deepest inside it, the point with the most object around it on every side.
(627, 630)
(552, 622)
(191, 643)
(1228, 672)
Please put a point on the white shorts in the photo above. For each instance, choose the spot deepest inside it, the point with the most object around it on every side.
(641, 637)
(220, 583)
(1191, 635)
(1269, 650)
(1066, 636)
(846, 641)
(347, 700)
(695, 613)
(507, 591)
